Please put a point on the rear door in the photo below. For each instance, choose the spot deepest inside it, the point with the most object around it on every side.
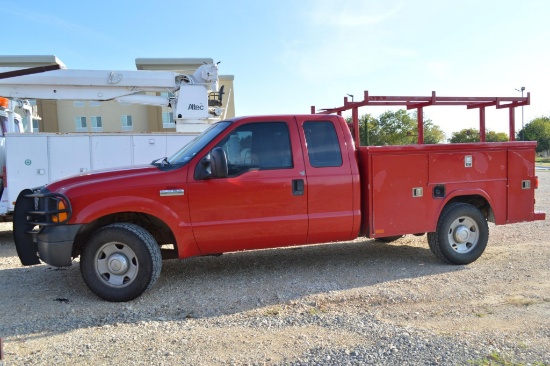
(263, 202)
(331, 187)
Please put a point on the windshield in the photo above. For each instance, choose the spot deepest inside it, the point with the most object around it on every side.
(183, 156)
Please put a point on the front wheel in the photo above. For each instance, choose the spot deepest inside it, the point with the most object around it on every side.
(120, 262)
(461, 234)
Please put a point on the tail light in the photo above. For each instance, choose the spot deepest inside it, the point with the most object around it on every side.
(536, 182)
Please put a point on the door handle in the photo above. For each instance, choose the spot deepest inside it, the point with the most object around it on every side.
(297, 187)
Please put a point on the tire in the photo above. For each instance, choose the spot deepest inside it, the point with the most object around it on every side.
(120, 262)
(461, 234)
(389, 239)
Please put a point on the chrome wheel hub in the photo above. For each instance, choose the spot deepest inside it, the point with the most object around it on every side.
(116, 264)
(463, 234)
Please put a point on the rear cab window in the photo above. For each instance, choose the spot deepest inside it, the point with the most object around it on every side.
(323, 148)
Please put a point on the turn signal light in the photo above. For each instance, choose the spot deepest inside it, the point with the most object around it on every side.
(536, 182)
(62, 216)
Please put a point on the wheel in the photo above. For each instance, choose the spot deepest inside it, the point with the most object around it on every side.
(461, 234)
(389, 239)
(120, 262)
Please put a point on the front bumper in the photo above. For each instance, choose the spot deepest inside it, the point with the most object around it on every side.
(53, 241)
(55, 244)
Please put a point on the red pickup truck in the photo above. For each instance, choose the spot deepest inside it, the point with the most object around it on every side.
(272, 181)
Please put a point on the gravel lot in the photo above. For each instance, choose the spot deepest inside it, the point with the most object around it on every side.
(353, 303)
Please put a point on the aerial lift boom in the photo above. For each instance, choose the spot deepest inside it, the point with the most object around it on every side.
(193, 103)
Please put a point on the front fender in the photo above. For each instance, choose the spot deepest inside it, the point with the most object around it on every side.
(107, 206)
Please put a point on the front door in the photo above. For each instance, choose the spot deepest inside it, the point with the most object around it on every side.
(263, 202)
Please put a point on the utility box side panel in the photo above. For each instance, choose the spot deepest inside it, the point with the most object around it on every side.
(398, 194)
(521, 185)
(149, 147)
(68, 155)
(111, 151)
(26, 163)
(33, 160)
(469, 172)
(467, 166)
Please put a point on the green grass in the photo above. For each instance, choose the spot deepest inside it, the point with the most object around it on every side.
(542, 161)
(496, 359)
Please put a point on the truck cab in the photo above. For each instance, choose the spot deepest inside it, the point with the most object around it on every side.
(290, 180)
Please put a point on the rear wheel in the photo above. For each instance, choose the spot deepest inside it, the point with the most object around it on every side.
(461, 234)
(120, 262)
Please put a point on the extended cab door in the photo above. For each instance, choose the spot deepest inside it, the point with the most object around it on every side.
(263, 201)
(332, 179)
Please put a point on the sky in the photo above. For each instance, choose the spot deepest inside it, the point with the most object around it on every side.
(288, 55)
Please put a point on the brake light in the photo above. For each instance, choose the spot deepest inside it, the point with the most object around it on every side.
(61, 216)
(536, 182)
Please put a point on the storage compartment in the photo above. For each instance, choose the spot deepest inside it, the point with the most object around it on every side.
(399, 194)
(521, 185)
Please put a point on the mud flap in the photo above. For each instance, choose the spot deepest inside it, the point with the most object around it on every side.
(27, 249)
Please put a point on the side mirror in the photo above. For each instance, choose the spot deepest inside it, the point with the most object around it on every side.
(213, 165)
(218, 162)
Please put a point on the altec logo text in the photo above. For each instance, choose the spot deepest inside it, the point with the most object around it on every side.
(196, 107)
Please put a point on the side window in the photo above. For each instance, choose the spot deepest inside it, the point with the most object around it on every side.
(323, 148)
(257, 146)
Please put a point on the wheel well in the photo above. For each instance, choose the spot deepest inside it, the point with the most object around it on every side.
(156, 227)
(477, 201)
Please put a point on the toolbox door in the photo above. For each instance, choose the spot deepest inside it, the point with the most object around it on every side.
(399, 194)
(521, 185)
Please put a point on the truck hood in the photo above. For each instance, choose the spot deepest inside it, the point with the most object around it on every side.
(102, 178)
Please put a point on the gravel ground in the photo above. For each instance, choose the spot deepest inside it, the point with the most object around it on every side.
(353, 303)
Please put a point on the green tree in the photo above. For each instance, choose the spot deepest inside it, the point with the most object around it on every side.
(396, 128)
(492, 136)
(433, 134)
(465, 135)
(472, 135)
(368, 130)
(538, 130)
